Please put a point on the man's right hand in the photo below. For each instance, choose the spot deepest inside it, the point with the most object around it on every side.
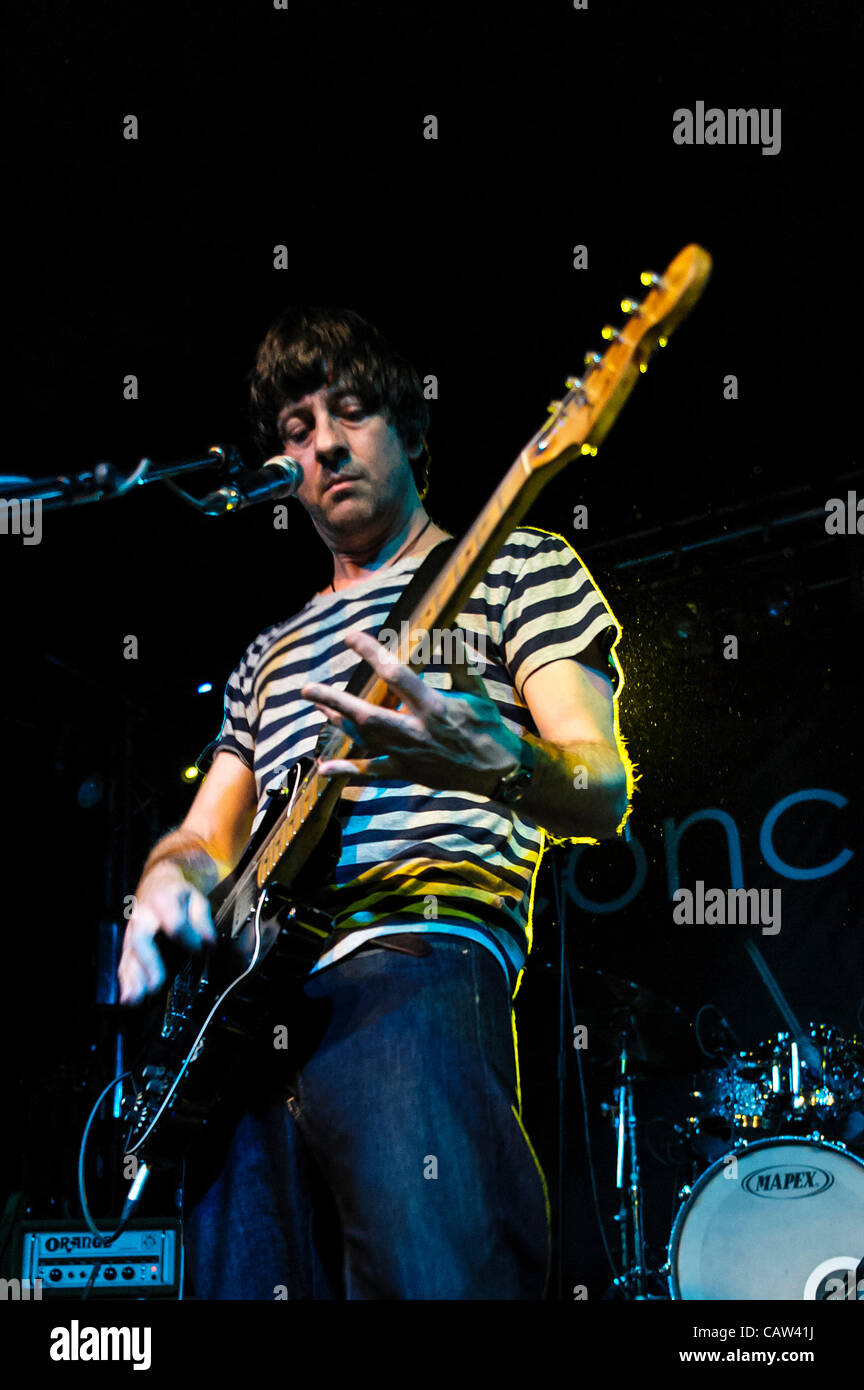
(165, 902)
(210, 842)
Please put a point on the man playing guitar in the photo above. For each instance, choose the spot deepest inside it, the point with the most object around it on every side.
(394, 1163)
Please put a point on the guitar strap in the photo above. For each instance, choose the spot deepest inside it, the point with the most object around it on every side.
(431, 566)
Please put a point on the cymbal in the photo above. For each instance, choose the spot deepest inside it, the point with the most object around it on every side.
(659, 1036)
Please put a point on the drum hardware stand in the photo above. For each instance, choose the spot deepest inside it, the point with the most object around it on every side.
(628, 1181)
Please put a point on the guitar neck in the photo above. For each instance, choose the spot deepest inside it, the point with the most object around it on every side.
(448, 591)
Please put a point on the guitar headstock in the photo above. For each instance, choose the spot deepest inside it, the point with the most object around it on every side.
(583, 417)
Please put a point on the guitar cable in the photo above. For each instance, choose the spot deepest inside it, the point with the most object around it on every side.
(138, 1182)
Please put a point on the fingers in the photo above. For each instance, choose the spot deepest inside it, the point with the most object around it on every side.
(401, 679)
(428, 746)
(141, 970)
(174, 908)
(200, 929)
(338, 722)
(338, 706)
(135, 980)
(183, 914)
(365, 719)
(385, 766)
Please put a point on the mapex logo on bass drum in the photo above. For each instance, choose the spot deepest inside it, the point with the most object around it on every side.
(784, 1180)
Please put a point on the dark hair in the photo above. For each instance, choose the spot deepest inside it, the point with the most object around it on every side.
(310, 347)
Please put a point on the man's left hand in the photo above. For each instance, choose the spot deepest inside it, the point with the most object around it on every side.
(450, 740)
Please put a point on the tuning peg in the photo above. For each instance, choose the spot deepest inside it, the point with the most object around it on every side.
(610, 334)
(572, 383)
(650, 280)
(592, 358)
(630, 306)
(553, 406)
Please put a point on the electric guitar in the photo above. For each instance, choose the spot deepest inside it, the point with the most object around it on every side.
(263, 925)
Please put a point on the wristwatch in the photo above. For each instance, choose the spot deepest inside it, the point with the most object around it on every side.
(516, 782)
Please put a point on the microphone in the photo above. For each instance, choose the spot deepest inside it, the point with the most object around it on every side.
(279, 477)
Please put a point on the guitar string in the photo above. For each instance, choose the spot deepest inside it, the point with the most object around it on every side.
(226, 907)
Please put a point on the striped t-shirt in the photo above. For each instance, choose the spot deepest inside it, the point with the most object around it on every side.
(413, 858)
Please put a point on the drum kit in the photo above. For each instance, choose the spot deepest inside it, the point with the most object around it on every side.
(773, 1145)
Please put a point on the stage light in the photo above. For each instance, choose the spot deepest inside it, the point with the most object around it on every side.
(90, 792)
(204, 688)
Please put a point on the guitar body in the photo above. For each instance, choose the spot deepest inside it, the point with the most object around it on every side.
(218, 1000)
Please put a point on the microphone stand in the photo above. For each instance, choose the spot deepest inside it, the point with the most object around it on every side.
(278, 477)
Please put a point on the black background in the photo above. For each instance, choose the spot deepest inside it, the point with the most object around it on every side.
(260, 127)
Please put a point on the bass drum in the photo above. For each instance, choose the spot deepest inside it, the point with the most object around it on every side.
(779, 1219)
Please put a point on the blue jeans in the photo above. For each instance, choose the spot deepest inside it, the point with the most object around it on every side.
(390, 1161)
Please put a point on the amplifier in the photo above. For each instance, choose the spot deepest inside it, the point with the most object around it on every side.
(143, 1262)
